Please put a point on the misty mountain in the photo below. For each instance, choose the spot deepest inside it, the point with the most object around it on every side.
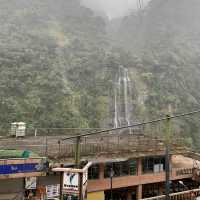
(164, 37)
(59, 63)
(47, 51)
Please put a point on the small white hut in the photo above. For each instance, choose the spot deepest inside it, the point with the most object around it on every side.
(18, 129)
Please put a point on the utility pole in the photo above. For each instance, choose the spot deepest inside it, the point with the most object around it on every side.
(77, 152)
(61, 183)
(77, 164)
(111, 182)
(167, 157)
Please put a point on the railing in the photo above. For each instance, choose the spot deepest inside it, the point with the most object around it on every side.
(47, 145)
(67, 131)
(184, 171)
(186, 195)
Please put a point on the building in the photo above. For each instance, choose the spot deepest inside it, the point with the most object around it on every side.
(19, 171)
(137, 178)
(138, 165)
(137, 162)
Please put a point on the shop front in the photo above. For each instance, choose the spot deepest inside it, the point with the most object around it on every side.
(121, 194)
(19, 177)
(96, 195)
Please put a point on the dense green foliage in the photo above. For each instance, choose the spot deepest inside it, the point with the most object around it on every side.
(58, 62)
(49, 57)
(165, 39)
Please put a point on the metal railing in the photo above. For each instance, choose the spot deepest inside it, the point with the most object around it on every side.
(186, 195)
(49, 146)
(184, 171)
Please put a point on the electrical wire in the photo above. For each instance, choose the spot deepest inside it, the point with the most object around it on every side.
(168, 117)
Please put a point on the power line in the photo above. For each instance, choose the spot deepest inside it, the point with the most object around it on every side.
(133, 125)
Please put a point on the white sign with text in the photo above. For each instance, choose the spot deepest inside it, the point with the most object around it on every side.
(70, 181)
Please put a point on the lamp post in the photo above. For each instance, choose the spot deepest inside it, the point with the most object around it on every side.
(167, 158)
(111, 182)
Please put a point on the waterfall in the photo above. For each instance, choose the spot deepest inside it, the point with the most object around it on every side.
(116, 116)
(122, 98)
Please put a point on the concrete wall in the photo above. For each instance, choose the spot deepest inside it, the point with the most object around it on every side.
(11, 186)
(17, 185)
(49, 180)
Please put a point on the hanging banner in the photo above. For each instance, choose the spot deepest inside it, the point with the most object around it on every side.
(52, 191)
(30, 183)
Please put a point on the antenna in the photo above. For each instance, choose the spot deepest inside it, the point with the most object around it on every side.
(140, 4)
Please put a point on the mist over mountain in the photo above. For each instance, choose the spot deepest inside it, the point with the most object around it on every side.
(113, 8)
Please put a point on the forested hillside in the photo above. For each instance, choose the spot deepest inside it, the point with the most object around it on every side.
(164, 37)
(51, 60)
(59, 63)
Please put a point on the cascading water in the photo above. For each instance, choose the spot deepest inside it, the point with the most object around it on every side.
(122, 99)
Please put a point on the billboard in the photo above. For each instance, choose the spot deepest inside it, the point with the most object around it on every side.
(74, 185)
(21, 168)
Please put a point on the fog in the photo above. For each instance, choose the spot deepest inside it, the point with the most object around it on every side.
(114, 8)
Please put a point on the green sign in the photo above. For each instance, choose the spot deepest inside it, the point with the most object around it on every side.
(70, 197)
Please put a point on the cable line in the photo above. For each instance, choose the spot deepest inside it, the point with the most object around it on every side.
(133, 125)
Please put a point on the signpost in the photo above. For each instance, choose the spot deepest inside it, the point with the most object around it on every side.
(74, 185)
(70, 181)
(71, 185)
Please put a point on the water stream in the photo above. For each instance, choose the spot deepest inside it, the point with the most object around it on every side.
(122, 98)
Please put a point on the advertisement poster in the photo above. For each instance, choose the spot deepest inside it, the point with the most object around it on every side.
(30, 183)
(52, 191)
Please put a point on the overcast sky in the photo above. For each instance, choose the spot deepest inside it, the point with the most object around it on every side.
(113, 8)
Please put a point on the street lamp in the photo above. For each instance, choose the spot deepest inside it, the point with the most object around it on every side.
(111, 181)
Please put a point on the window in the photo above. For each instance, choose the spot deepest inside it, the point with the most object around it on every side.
(124, 168)
(117, 167)
(107, 170)
(150, 190)
(153, 164)
(133, 167)
(93, 172)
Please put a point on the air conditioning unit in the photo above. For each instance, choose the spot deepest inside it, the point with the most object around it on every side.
(18, 129)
